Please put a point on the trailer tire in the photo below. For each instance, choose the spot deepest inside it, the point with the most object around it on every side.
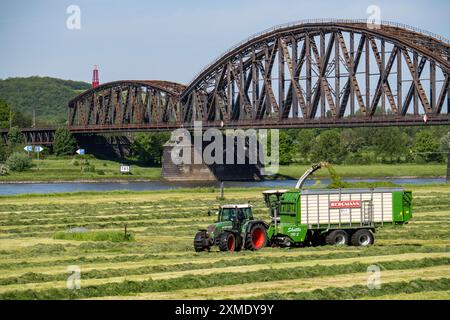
(337, 237)
(256, 238)
(362, 238)
(227, 242)
(200, 242)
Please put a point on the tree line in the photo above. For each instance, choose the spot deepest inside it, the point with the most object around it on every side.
(365, 145)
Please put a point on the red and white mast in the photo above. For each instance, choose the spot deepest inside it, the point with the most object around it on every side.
(95, 81)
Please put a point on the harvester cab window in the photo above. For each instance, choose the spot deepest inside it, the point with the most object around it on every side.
(287, 208)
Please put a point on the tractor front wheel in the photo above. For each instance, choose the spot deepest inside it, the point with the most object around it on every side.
(227, 242)
(256, 238)
(201, 241)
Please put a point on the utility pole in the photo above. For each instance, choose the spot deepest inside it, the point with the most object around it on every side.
(34, 117)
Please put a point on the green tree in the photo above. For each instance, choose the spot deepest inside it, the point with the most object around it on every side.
(15, 137)
(286, 150)
(21, 120)
(351, 141)
(5, 113)
(65, 143)
(444, 142)
(427, 147)
(147, 148)
(391, 143)
(3, 151)
(17, 118)
(305, 142)
(327, 147)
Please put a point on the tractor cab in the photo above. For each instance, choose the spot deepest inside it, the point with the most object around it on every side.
(235, 212)
(272, 199)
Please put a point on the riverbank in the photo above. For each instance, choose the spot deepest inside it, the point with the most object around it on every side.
(62, 170)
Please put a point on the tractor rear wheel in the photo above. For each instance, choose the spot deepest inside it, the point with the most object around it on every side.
(337, 237)
(362, 238)
(200, 241)
(256, 238)
(227, 242)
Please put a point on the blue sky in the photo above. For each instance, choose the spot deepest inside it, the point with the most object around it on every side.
(167, 40)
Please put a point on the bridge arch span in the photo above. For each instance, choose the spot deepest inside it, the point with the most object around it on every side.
(126, 104)
(325, 73)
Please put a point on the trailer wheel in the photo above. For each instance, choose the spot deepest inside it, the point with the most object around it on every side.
(256, 238)
(337, 237)
(200, 241)
(362, 238)
(227, 242)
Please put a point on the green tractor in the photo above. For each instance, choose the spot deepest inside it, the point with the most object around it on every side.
(235, 229)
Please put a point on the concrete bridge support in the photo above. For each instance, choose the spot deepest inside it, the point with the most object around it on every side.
(202, 172)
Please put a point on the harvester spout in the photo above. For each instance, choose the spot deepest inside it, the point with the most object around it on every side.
(310, 171)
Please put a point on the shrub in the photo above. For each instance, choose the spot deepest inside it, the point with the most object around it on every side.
(18, 161)
(101, 172)
(88, 168)
(75, 162)
(4, 170)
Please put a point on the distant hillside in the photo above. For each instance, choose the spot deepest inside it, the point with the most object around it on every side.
(49, 96)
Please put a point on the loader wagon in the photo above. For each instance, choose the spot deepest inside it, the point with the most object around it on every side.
(341, 216)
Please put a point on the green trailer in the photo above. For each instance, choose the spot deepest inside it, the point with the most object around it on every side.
(334, 216)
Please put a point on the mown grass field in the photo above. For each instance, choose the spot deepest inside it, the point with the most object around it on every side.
(161, 262)
(62, 169)
(372, 170)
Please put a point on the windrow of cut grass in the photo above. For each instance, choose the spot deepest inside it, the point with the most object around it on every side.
(358, 291)
(126, 287)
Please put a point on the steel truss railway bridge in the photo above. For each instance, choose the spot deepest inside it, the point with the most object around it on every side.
(309, 74)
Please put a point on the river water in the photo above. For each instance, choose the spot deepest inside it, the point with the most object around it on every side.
(30, 188)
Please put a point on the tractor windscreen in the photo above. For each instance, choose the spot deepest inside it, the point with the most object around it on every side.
(227, 214)
(230, 214)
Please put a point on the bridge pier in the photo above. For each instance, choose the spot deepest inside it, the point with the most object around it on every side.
(195, 171)
(183, 172)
